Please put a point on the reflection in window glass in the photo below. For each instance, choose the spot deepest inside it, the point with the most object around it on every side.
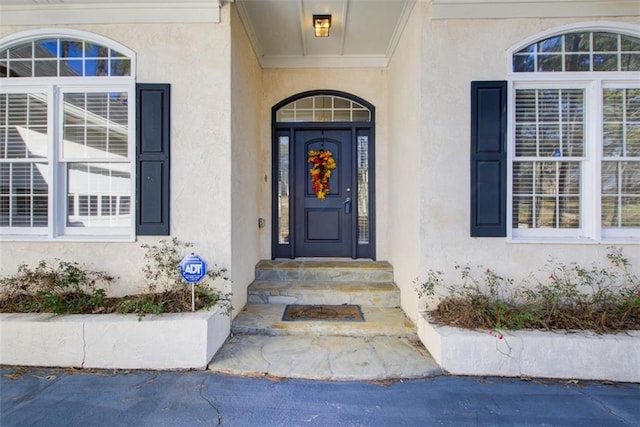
(95, 189)
(363, 190)
(63, 58)
(621, 158)
(283, 190)
(580, 52)
(323, 108)
(94, 125)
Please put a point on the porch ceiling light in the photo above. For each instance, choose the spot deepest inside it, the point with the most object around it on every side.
(321, 25)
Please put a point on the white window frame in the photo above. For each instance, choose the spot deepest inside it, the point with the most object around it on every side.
(54, 87)
(590, 230)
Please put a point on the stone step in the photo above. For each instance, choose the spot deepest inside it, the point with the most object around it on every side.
(330, 270)
(336, 358)
(378, 294)
(266, 319)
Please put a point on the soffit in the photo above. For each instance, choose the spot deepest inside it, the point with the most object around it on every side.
(363, 33)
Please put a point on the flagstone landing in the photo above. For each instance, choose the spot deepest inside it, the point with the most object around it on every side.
(385, 346)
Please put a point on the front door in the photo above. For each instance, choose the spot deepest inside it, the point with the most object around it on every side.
(341, 222)
(324, 224)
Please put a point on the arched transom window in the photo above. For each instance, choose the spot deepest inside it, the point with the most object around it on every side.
(580, 51)
(575, 137)
(62, 57)
(66, 150)
(323, 108)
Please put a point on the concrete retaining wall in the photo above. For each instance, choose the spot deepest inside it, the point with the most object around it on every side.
(579, 355)
(113, 341)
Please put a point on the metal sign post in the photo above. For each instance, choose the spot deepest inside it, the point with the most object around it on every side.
(193, 269)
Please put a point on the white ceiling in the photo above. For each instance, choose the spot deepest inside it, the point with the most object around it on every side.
(364, 33)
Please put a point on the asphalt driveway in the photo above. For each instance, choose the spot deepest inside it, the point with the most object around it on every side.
(57, 397)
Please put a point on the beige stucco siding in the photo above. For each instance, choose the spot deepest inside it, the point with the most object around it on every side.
(454, 53)
(404, 202)
(248, 184)
(195, 60)
(367, 83)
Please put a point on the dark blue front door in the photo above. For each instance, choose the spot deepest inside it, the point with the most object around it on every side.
(324, 227)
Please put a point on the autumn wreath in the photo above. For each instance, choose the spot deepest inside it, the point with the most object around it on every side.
(323, 163)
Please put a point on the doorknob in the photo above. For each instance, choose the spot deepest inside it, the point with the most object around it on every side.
(347, 205)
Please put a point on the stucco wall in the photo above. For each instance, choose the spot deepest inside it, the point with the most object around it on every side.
(370, 85)
(404, 159)
(455, 53)
(248, 183)
(195, 60)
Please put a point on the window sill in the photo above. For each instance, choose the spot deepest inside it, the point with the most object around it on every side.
(66, 239)
(573, 241)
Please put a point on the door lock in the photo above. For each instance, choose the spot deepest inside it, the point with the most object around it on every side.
(347, 205)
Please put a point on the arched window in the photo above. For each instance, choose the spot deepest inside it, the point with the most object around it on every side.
(323, 108)
(66, 150)
(575, 135)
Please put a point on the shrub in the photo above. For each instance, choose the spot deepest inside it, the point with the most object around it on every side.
(70, 288)
(61, 287)
(598, 298)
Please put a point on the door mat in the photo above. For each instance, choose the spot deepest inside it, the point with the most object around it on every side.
(326, 313)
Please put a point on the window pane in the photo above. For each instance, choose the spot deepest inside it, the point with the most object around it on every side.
(120, 67)
(630, 62)
(549, 122)
(621, 122)
(613, 105)
(549, 141)
(569, 212)
(523, 178)
(621, 194)
(577, 42)
(522, 212)
(71, 48)
(93, 125)
(548, 63)
(572, 140)
(24, 50)
(65, 58)
(71, 68)
(23, 195)
(96, 67)
(283, 190)
(605, 42)
(630, 212)
(46, 48)
(524, 63)
(633, 140)
(580, 52)
(20, 69)
(526, 141)
(612, 139)
(363, 190)
(97, 186)
(23, 126)
(323, 108)
(45, 68)
(577, 62)
(553, 44)
(605, 62)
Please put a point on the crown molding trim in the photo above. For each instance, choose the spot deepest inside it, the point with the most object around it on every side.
(133, 12)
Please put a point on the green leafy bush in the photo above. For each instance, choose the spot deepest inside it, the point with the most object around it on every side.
(597, 298)
(62, 287)
(67, 287)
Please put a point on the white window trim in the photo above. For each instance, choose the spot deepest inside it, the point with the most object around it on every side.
(593, 82)
(54, 87)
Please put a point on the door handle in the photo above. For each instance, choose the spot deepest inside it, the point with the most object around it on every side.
(347, 205)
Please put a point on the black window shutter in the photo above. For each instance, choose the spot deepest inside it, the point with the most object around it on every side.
(489, 159)
(152, 159)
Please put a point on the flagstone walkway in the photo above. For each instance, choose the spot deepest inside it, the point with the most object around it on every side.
(385, 346)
